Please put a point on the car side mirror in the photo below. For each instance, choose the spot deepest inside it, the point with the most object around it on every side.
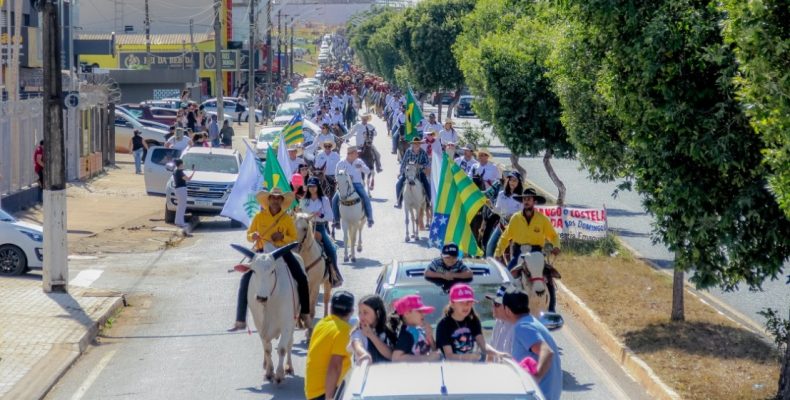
(170, 166)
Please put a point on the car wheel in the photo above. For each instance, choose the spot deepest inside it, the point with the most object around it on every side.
(12, 260)
(235, 224)
(170, 216)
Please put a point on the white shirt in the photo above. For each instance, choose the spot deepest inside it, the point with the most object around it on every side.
(431, 127)
(295, 164)
(465, 164)
(502, 337)
(446, 136)
(337, 118)
(329, 161)
(318, 206)
(179, 145)
(326, 119)
(324, 137)
(489, 172)
(507, 206)
(354, 170)
(359, 132)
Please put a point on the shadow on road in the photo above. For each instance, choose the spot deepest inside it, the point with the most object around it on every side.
(278, 391)
(571, 384)
(362, 263)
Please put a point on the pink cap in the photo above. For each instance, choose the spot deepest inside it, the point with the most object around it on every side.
(410, 303)
(297, 180)
(461, 292)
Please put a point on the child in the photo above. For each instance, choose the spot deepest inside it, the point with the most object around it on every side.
(460, 329)
(415, 339)
(372, 339)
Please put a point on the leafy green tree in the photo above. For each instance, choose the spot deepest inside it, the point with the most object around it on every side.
(760, 30)
(666, 76)
(504, 61)
(779, 328)
(371, 37)
(424, 36)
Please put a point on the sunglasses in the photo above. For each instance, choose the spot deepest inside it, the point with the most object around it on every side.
(497, 305)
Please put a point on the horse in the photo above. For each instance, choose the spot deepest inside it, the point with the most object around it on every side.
(352, 214)
(532, 266)
(367, 155)
(274, 306)
(413, 199)
(315, 266)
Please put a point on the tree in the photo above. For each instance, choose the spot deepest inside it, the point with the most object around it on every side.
(371, 37)
(760, 30)
(504, 61)
(779, 328)
(424, 37)
(666, 77)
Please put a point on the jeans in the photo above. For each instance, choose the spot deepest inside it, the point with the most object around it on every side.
(215, 142)
(181, 206)
(514, 253)
(138, 161)
(395, 138)
(329, 246)
(302, 290)
(493, 241)
(423, 179)
(365, 200)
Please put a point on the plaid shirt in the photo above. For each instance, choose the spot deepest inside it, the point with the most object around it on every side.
(418, 158)
(437, 265)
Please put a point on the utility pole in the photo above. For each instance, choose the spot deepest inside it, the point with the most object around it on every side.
(291, 61)
(269, 55)
(147, 32)
(183, 54)
(251, 74)
(279, 45)
(56, 271)
(218, 63)
(192, 34)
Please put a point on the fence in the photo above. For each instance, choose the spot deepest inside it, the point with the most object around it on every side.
(16, 151)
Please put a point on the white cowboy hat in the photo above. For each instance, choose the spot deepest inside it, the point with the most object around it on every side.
(263, 197)
(332, 142)
(352, 149)
(483, 151)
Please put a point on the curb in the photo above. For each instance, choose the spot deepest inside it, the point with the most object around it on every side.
(619, 352)
(48, 371)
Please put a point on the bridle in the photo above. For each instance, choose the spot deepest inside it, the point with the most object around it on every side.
(350, 191)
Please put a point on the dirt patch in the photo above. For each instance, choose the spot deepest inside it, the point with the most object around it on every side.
(705, 357)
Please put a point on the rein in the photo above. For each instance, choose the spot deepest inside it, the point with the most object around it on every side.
(309, 246)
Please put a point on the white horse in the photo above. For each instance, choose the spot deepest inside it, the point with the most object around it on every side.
(274, 306)
(352, 215)
(533, 281)
(413, 199)
(315, 266)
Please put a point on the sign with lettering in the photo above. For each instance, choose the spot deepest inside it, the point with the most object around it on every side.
(168, 60)
(577, 223)
(231, 60)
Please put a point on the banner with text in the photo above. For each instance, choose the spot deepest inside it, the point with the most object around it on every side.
(577, 223)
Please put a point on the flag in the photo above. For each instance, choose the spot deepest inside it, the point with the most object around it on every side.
(293, 131)
(458, 201)
(242, 204)
(436, 172)
(282, 158)
(273, 175)
(413, 116)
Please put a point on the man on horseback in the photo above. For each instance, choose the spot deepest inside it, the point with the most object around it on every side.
(467, 161)
(325, 136)
(354, 167)
(418, 156)
(483, 171)
(272, 224)
(326, 161)
(398, 127)
(364, 133)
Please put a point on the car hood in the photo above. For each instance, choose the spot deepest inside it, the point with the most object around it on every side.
(262, 146)
(28, 225)
(283, 118)
(213, 177)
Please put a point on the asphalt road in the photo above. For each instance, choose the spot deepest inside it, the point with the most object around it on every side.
(628, 219)
(172, 341)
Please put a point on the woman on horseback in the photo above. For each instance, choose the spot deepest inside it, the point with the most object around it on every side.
(505, 206)
(316, 204)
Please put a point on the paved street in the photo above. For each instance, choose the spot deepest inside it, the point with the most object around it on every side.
(171, 342)
(631, 222)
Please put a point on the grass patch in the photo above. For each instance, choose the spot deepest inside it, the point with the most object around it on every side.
(705, 357)
(304, 68)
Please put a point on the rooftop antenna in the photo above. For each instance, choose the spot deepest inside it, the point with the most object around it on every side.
(443, 390)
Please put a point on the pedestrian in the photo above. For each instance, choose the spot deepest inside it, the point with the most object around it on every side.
(532, 339)
(226, 134)
(328, 358)
(184, 97)
(460, 332)
(213, 131)
(415, 337)
(501, 342)
(139, 147)
(199, 140)
(239, 110)
(38, 166)
(180, 180)
(372, 339)
(179, 141)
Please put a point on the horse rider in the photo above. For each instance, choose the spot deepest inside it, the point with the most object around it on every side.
(484, 171)
(293, 161)
(432, 125)
(398, 127)
(466, 161)
(339, 120)
(325, 135)
(327, 161)
(354, 167)
(448, 134)
(274, 225)
(505, 206)
(317, 204)
(363, 131)
(414, 155)
(531, 228)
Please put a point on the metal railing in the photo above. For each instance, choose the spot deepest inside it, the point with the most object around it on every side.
(21, 128)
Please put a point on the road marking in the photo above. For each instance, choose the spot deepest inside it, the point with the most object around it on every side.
(86, 277)
(616, 390)
(95, 372)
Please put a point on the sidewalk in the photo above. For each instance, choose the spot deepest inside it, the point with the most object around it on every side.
(42, 334)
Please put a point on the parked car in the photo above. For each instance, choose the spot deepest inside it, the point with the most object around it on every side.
(266, 137)
(309, 81)
(124, 129)
(155, 168)
(137, 113)
(504, 380)
(216, 171)
(464, 107)
(21, 245)
(310, 130)
(229, 105)
(286, 111)
(445, 97)
(174, 103)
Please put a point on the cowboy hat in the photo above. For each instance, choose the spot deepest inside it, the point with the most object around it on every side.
(466, 147)
(326, 142)
(416, 140)
(530, 192)
(483, 151)
(449, 121)
(263, 197)
(365, 115)
(352, 149)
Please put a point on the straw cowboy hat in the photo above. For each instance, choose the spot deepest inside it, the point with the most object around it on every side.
(263, 197)
(449, 121)
(365, 115)
(352, 149)
(484, 151)
(416, 140)
(326, 142)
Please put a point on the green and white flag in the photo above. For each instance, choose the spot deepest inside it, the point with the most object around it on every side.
(242, 204)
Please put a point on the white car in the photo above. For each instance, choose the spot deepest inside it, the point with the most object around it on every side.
(309, 129)
(216, 170)
(229, 107)
(125, 125)
(439, 380)
(266, 137)
(286, 111)
(21, 245)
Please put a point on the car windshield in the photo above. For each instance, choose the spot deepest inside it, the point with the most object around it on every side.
(268, 136)
(224, 163)
(134, 112)
(434, 296)
(291, 110)
(6, 217)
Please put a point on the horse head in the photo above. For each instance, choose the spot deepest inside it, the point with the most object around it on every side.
(411, 172)
(264, 268)
(304, 226)
(532, 265)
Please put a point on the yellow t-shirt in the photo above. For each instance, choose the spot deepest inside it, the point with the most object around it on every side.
(262, 223)
(535, 232)
(330, 338)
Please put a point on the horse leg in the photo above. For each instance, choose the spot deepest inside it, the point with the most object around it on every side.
(359, 236)
(267, 360)
(416, 233)
(406, 213)
(420, 216)
(289, 366)
(345, 242)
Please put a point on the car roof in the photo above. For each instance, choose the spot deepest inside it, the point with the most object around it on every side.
(211, 150)
(270, 129)
(290, 104)
(504, 380)
(408, 273)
